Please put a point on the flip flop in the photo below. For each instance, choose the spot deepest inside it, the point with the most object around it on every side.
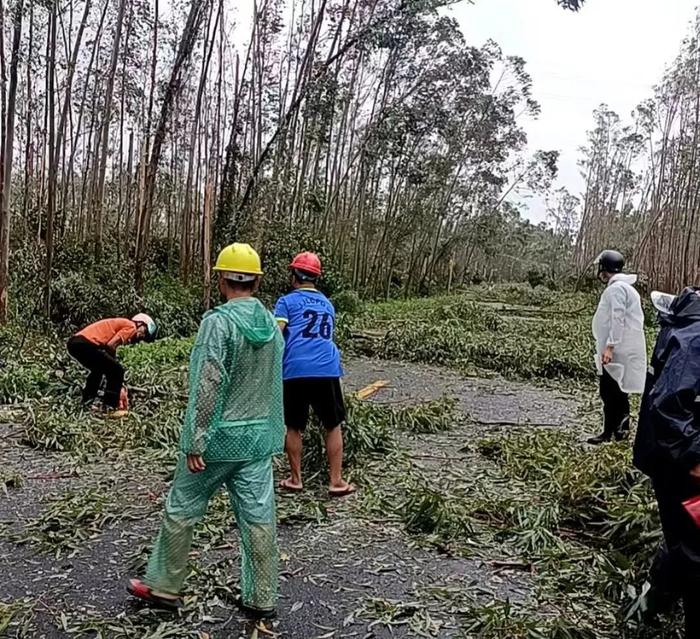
(290, 488)
(141, 591)
(349, 489)
(116, 414)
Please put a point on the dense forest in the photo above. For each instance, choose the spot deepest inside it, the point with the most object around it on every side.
(643, 177)
(139, 136)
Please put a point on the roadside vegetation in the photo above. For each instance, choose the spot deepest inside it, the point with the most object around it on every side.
(576, 526)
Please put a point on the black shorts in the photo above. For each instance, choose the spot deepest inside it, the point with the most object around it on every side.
(323, 394)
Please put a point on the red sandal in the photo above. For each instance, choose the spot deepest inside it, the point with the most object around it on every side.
(287, 486)
(140, 590)
(346, 490)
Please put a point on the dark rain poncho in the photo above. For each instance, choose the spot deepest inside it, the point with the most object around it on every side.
(667, 447)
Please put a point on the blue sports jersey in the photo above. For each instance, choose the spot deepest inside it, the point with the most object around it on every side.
(309, 347)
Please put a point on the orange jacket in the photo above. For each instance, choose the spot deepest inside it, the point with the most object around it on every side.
(117, 331)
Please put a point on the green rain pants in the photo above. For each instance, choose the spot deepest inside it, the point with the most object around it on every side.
(251, 490)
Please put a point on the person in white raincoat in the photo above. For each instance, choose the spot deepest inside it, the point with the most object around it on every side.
(621, 354)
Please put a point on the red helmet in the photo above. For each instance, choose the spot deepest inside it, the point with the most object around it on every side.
(307, 263)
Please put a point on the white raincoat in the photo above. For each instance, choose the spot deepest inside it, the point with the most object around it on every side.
(619, 322)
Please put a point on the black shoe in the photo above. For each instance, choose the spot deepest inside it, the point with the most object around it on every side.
(599, 439)
(648, 607)
(623, 432)
(256, 613)
(86, 401)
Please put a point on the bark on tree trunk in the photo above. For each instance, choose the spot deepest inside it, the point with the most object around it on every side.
(98, 204)
(51, 207)
(5, 220)
(187, 42)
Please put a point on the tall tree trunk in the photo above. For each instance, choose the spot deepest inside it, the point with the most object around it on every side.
(66, 108)
(5, 220)
(3, 91)
(129, 183)
(120, 164)
(187, 42)
(28, 159)
(206, 243)
(186, 243)
(145, 147)
(51, 207)
(98, 203)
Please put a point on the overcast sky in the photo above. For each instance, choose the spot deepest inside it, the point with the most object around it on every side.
(612, 51)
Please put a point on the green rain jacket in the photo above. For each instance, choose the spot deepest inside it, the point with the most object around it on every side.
(235, 409)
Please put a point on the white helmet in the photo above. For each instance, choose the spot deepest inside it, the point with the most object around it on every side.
(151, 328)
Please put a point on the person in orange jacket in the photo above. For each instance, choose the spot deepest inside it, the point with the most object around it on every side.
(95, 348)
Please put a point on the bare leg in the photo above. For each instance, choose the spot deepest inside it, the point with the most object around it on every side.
(293, 447)
(334, 450)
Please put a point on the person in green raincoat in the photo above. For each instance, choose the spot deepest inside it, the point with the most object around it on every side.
(233, 427)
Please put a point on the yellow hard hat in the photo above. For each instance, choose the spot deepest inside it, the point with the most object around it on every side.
(239, 258)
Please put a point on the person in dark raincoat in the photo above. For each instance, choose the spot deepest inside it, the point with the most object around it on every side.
(667, 449)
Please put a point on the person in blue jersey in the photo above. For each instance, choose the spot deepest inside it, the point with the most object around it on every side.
(311, 372)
